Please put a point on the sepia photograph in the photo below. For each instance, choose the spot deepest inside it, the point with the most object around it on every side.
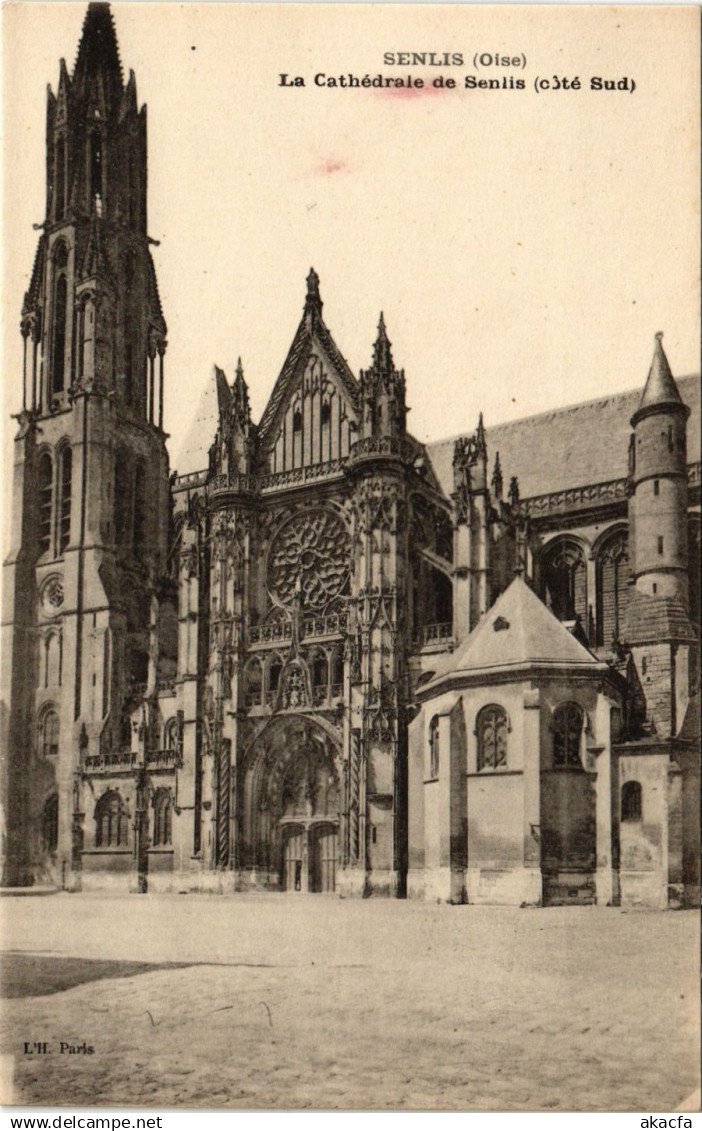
(350, 714)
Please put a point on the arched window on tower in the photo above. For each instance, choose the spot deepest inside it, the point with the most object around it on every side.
(491, 730)
(612, 586)
(59, 179)
(49, 734)
(96, 171)
(64, 500)
(631, 801)
(564, 581)
(163, 819)
(45, 493)
(111, 821)
(567, 729)
(80, 337)
(49, 824)
(58, 357)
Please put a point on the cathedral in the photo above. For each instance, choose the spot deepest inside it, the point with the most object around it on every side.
(323, 656)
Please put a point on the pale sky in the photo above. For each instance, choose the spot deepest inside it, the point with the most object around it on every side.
(524, 247)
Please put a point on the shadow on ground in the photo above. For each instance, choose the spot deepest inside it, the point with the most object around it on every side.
(34, 975)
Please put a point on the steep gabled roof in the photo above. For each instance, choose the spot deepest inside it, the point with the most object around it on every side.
(571, 446)
(311, 332)
(516, 632)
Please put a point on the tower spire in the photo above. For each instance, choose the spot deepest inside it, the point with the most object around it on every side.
(382, 354)
(98, 58)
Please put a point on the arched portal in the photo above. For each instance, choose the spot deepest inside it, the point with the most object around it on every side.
(290, 807)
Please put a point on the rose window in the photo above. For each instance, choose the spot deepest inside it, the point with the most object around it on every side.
(309, 559)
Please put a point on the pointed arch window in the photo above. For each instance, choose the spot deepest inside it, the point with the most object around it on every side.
(64, 515)
(96, 170)
(49, 824)
(170, 735)
(564, 581)
(49, 734)
(81, 329)
(163, 819)
(612, 586)
(492, 729)
(45, 495)
(111, 822)
(568, 726)
(59, 338)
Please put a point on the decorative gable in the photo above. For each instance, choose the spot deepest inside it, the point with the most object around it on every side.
(312, 410)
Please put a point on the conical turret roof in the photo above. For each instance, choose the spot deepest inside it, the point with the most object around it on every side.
(660, 387)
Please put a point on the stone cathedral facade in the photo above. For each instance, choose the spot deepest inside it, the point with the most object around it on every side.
(325, 657)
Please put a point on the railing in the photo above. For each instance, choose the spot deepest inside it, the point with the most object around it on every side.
(267, 633)
(371, 446)
(592, 494)
(300, 475)
(111, 763)
(325, 626)
(192, 479)
(576, 498)
(332, 625)
(434, 633)
(240, 484)
(162, 759)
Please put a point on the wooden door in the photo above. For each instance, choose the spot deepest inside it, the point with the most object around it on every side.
(293, 853)
(323, 854)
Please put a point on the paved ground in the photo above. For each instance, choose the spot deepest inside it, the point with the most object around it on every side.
(289, 1001)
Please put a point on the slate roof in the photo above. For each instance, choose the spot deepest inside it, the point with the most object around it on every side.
(653, 619)
(518, 630)
(194, 452)
(568, 447)
(660, 388)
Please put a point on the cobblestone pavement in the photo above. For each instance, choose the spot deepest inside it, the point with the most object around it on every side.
(289, 1001)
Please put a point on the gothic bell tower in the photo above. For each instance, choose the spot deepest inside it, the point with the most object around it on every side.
(90, 496)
